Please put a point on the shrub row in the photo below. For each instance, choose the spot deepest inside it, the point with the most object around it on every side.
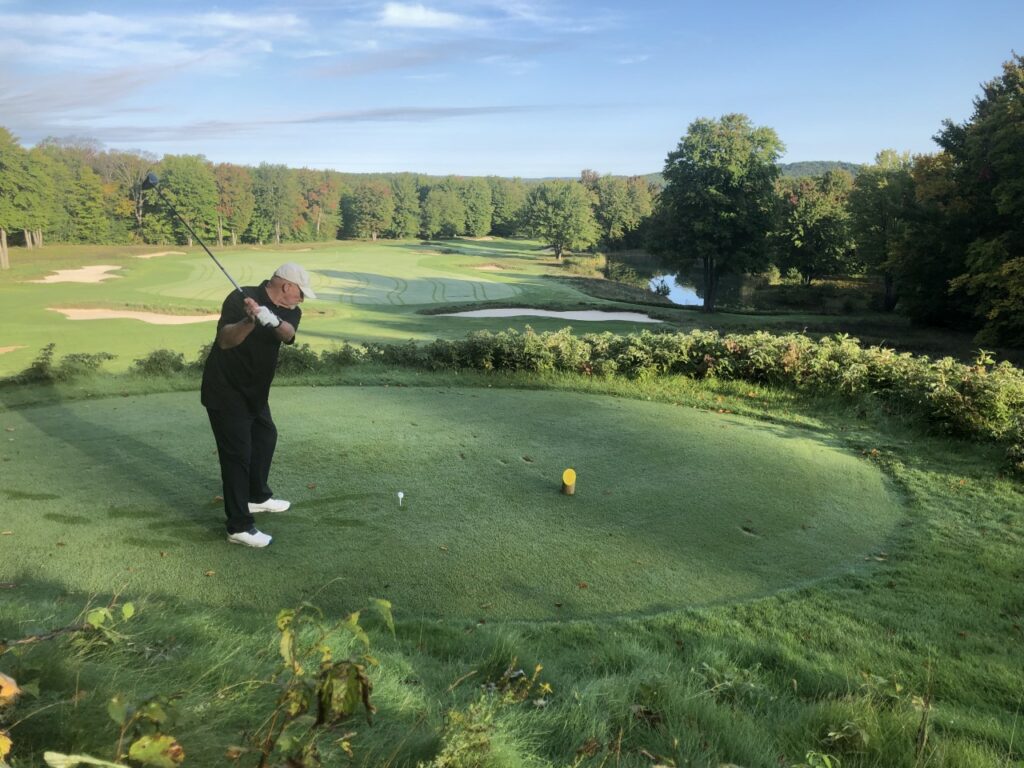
(983, 400)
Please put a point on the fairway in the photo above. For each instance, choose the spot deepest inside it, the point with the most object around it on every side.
(374, 292)
(674, 506)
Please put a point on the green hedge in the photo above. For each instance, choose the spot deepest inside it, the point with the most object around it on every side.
(982, 401)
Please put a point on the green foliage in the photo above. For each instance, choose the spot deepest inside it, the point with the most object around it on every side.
(372, 209)
(718, 202)
(72, 366)
(277, 199)
(983, 401)
(297, 358)
(559, 213)
(443, 212)
(814, 231)
(987, 153)
(318, 684)
(160, 362)
(189, 185)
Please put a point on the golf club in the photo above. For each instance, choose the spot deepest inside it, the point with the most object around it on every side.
(152, 182)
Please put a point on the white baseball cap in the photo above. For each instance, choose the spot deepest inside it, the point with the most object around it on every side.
(293, 273)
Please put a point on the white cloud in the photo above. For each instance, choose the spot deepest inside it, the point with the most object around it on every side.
(212, 23)
(420, 17)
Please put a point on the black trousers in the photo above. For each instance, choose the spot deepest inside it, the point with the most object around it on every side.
(245, 447)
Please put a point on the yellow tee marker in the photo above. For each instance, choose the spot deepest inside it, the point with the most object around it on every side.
(569, 482)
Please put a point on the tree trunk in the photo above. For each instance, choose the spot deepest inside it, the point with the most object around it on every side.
(220, 231)
(28, 238)
(39, 237)
(277, 232)
(319, 215)
(889, 301)
(5, 261)
(558, 251)
(234, 237)
(710, 283)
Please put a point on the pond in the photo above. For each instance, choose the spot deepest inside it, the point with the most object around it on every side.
(682, 291)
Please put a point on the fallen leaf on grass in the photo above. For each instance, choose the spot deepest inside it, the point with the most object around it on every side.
(485, 606)
(209, 573)
(311, 486)
(583, 585)
(443, 547)
(8, 429)
(9, 689)
(61, 544)
(558, 605)
(218, 498)
(163, 554)
(6, 533)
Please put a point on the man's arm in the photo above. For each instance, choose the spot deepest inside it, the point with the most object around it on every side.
(233, 334)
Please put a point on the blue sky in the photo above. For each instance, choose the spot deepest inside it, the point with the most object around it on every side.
(507, 87)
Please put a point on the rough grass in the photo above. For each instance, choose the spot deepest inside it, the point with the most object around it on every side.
(841, 666)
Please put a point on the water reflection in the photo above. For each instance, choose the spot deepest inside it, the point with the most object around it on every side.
(681, 290)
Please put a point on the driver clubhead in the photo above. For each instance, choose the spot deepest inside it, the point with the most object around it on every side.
(150, 181)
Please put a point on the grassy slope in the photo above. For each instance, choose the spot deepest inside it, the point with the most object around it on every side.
(483, 530)
(367, 292)
(757, 682)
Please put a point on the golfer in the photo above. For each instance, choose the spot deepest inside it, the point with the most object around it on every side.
(236, 389)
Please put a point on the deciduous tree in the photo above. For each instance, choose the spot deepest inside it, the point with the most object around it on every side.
(718, 202)
(188, 183)
(559, 213)
(881, 207)
(373, 206)
(814, 225)
(236, 200)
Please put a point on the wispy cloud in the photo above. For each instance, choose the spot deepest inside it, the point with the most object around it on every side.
(210, 129)
(420, 17)
(97, 39)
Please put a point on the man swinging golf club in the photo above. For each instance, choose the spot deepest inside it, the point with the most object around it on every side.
(254, 322)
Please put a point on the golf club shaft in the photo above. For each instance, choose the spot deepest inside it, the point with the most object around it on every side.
(198, 240)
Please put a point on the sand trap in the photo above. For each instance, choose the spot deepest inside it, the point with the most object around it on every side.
(490, 268)
(127, 314)
(5, 350)
(159, 253)
(632, 317)
(95, 274)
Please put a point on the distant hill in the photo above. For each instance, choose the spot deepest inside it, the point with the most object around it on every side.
(817, 167)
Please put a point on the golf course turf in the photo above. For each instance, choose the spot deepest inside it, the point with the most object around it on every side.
(674, 506)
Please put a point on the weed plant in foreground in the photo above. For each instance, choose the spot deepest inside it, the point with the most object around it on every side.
(904, 649)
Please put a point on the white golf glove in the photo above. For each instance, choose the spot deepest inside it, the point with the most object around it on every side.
(267, 319)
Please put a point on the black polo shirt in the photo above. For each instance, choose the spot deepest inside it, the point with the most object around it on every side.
(239, 379)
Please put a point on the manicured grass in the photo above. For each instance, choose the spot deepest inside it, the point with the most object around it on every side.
(674, 506)
(366, 292)
(836, 665)
(369, 292)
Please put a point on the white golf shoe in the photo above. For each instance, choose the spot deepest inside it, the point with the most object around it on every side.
(270, 505)
(250, 538)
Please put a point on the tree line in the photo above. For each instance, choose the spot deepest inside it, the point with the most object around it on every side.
(72, 191)
(943, 232)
